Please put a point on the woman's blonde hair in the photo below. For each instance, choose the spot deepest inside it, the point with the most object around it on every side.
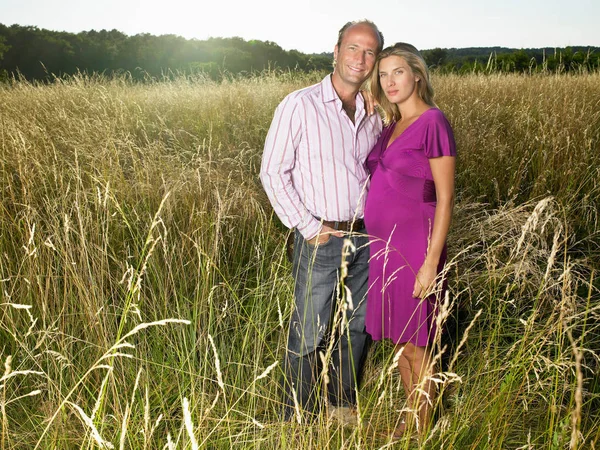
(416, 63)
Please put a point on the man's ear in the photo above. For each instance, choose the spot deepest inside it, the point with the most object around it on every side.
(335, 53)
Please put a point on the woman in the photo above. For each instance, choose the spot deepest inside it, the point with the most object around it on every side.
(407, 216)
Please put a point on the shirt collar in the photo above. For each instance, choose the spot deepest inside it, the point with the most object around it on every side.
(329, 95)
(327, 91)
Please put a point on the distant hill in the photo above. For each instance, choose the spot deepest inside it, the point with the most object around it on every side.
(39, 54)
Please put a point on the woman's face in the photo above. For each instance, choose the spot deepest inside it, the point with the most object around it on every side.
(397, 79)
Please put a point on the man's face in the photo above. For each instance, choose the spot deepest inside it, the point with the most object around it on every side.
(355, 56)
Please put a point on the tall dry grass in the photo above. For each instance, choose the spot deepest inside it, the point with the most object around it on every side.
(145, 292)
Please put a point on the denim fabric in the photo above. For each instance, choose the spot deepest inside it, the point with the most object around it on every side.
(316, 271)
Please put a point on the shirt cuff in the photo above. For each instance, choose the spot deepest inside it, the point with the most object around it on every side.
(310, 229)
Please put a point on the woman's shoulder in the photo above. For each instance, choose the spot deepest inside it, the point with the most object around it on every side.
(435, 119)
(434, 115)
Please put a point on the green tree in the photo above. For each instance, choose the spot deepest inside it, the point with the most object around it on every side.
(3, 46)
(435, 57)
(521, 60)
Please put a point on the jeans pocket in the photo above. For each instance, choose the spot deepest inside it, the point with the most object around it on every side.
(320, 245)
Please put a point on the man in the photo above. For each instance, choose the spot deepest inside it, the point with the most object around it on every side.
(313, 171)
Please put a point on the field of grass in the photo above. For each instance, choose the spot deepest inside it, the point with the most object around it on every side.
(144, 290)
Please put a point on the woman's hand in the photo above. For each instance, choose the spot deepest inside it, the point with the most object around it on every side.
(425, 280)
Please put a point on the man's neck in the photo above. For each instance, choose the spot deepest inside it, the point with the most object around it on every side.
(347, 94)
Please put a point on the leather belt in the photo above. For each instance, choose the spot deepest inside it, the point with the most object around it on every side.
(346, 225)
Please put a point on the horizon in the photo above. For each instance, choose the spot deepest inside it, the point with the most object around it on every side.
(312, 28)
(277, 43)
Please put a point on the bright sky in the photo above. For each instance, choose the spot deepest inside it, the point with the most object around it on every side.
(311, 26)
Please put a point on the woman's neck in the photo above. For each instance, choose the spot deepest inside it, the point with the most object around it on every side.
(412, 107)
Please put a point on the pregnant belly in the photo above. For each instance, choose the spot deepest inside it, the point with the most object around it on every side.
(399, 208)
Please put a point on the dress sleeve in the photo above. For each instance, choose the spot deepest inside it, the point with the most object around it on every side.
(439, 138)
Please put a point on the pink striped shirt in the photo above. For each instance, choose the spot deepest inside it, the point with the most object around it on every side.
(313, 163)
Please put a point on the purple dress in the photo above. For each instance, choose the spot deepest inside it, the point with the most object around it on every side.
(399, 215)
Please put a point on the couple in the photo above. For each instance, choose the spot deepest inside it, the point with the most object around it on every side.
(320, 155)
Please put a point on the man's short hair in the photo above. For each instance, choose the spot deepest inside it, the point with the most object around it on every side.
(358, 22)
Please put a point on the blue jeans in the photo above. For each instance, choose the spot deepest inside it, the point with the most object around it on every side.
(316, 271)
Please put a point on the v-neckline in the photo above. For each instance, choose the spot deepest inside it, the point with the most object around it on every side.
(389, 144)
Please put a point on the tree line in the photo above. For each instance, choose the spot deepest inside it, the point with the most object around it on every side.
(502, 59)
(40, 54)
